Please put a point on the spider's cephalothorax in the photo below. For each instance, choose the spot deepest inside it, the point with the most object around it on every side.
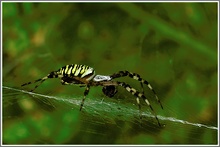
(85, 76)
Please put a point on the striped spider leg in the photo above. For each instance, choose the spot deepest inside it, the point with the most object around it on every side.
(136, 77)
(132, 90)
(138, 96)
(129, 89)
(53, 74)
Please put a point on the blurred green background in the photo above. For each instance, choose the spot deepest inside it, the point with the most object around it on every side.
(171, 45)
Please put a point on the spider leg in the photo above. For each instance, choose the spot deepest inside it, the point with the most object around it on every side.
(85, 94)
(139, 95)
(138, 102)
(124, 74)
(64, 82)
(142, 87)
(136, 77)
(139, 107)
(39, 80)
(51, 75)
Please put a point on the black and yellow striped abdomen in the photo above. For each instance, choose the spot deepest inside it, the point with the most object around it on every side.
(76, 70)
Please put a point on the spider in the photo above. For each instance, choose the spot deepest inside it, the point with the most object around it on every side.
(85, 76)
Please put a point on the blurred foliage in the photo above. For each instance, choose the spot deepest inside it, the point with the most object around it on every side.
(172, 45)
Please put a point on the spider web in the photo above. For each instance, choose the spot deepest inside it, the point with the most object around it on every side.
(99, 113)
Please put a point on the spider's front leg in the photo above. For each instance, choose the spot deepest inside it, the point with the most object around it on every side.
(85, 94)
(138, 78)
(128, 74)
(138, 95)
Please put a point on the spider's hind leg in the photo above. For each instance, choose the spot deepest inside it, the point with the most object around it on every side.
(39, 80)
(51, 75)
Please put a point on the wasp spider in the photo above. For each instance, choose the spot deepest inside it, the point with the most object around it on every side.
(85, 76)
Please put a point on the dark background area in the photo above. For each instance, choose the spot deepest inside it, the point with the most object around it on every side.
(171, 45)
